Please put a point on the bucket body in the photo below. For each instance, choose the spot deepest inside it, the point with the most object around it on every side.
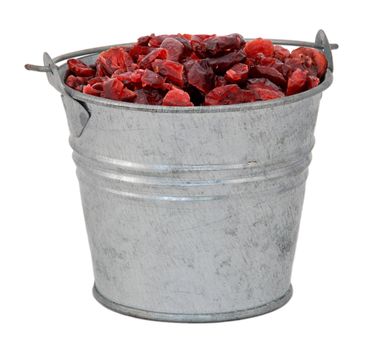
(193, 213)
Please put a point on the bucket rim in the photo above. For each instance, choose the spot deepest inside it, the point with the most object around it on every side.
(86, 98)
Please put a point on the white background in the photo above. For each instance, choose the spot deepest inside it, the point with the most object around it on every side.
(46, 274)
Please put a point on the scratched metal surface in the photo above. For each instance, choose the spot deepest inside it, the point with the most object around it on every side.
(193, 216)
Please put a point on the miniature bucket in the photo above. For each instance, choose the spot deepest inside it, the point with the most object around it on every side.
(192, 213)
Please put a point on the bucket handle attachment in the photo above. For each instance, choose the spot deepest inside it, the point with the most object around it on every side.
(321, 40)
(77, 115)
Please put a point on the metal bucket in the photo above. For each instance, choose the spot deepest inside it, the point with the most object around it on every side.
(192, 213)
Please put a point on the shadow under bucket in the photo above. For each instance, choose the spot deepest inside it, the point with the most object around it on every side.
(192, 213)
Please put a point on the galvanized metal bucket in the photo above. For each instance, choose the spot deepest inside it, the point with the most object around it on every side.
(192, 213)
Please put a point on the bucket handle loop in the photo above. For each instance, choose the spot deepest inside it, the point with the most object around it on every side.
(321, 40)
(77, 115)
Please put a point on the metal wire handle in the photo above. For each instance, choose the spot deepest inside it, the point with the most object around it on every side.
(321, 43)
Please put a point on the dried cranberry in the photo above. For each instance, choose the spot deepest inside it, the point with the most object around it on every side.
(139, 50)
(173, 71)
(312, 82)
(268, 72)
(111, 60)
(221, 64)
(266, 94)
(201, 76)
(313, 59)
(224, 95)
(281, 53)
(177, 97)
(296, 82)
(219, 45)
(220, 81)
(79, 68)
(175, 49)
(262, 83)
(129, 77)
(237, 73)
(143, 40)
(115, 90)
(254, 47)
(152, 56)
(91, 90)
(149, 96)
(151, 79)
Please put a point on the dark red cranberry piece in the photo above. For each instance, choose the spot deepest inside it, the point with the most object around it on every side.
(175, 49)
(263, 46)
(149, 96)
(312, 82)
(173, 71)
(151, 79)
(224, 95)
(200, 75)
(269, 73)
(221, 64)
(280, 53)
(115, 90)
(177, 97)
(152, 56)
(237, 73)
(313, 59)
(296, 82)
(79, 68)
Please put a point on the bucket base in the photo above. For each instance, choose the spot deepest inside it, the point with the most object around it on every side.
(193, 318)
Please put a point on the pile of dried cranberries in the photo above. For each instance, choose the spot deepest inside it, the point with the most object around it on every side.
(196, 70)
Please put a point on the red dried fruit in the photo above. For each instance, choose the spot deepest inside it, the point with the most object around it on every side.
(312, 82)
(143, 40)
(221, 64)
(270, 62)
(115, 90)
(173, 71)
(220, 81)
(270, 73)
(248, 96)
(262, 83)
(218, 45)
(200, 75)
(79, 68)
(90, 90)
(149, 96)
(281, 53)
(96, 80)
(175, 49)
(296, 82)
(139, 50)
(156, 40)
(313, 59)
(111, 60)
(129, 77)
(266, 94)
(263, 46)
(152, 56)
(177, 97)
(198, 45)
(151, 79)
(237, 73)
(225, 95)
